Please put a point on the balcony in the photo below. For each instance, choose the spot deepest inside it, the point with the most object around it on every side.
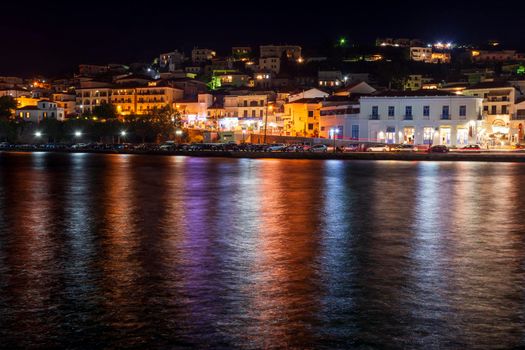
(444, 117)
(408, 117)
(517, 117)
(374, 117)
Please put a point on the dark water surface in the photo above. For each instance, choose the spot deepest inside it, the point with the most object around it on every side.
(107, 251)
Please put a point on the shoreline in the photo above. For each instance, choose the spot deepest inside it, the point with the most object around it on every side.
(516, 157)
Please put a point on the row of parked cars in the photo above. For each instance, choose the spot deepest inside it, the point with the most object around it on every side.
(244, 147)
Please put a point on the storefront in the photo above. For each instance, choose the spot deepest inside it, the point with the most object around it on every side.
(445, 133)
(409, 135)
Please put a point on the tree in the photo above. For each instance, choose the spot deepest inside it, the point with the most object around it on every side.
(105, 110)
(165, 121)
(7, 104)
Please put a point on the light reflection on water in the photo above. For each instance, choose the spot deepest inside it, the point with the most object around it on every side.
(132, 251)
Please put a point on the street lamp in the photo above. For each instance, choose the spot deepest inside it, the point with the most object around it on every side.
(78, 133)
(270, 108)
(38, 134)
(122, 134)
(178, 134)
(336, 131)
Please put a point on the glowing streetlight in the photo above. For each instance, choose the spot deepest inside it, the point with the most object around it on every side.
(123, 133)
(334, 132)
(38, 134)
(78, 133)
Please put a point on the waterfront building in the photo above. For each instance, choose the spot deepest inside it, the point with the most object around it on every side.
(499, 98)
(245, 112)
(44, 109)
(423, 117)
(195, 113)
(342, 113)
(301, 117)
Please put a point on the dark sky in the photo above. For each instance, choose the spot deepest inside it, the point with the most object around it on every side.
(53, 37)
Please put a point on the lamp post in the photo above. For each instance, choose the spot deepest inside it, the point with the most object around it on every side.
(178, 134)
(334, 133)
(122, 134)
(243, 134)
(78, 134)
(266, 120)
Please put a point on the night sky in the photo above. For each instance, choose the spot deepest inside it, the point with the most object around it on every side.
(51, 38)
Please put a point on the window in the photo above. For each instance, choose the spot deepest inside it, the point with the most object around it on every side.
(245, 114)
(493, 110)
(310, 126)
(355, 132)
(408, 111)
(504, 110)
(426, 111)
(253, 114)
(445, 113)
(375, 111)
(310, 114)
(462, 111)
(391, 111)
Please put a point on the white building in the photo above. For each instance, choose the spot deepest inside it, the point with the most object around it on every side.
(43, 110)
(422, 117)
(270, 64)
(342, 114)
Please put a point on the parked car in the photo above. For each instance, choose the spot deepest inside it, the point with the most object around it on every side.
(438, 149)
(378, 148)
(469, 148)
(354, 147)
(318, 148)
(405, 148)
(294, 148)
(518, 146)
(278, 147)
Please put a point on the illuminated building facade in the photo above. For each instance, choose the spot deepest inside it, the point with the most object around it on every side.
(423, 117)
(44, 109)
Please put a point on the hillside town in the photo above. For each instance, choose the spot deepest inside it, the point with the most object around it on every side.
(395, 91)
